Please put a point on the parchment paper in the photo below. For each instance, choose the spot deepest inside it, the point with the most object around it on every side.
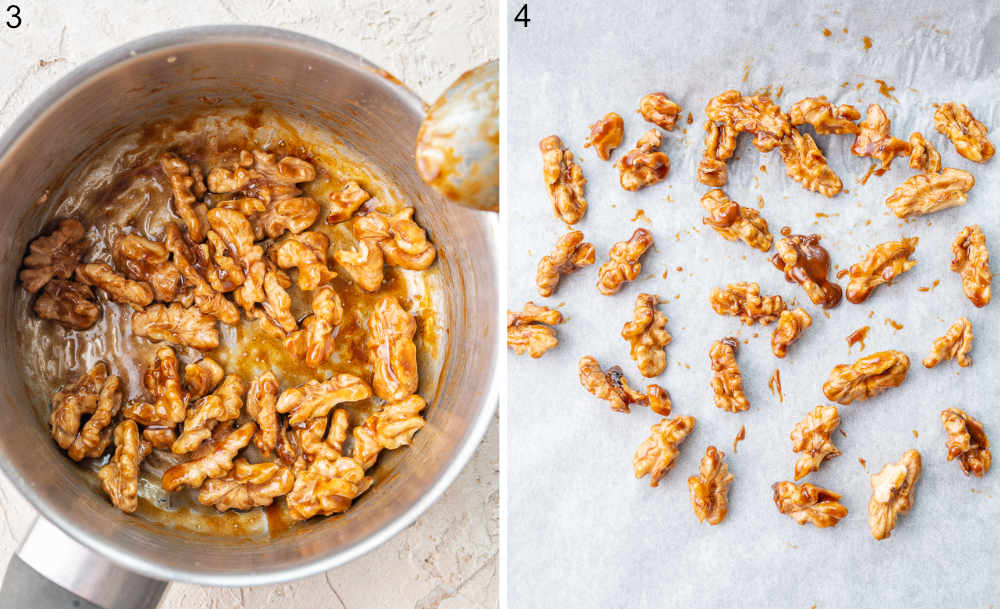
(583, 533)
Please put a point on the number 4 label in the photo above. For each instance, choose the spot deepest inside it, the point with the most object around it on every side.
(522, 15)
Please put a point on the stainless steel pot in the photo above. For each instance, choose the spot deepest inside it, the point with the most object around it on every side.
(162, 76)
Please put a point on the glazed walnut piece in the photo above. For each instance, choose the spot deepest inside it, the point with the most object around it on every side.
(612, 387)
(213, 459)
(531, 331)
(407, 245)
(571, 254)
(658, 109)
(811, 437)
(971, 260)
(224, 404)
(930, 192)
(363, 263)
(310, 440)
(623, 262)
(644, 165)
(881, 264)
(564, 180)
(136, 294)
(824, 116)
(68, 302)
(657, 453)
(755, 114)
(178, 325)
(391, 350)
(720, 145)
(733, 221)
(308, 253)
(147, 261)
(790, 326)
(275, 311)
(326, 487)
(923, 155)
(727, 382)
(955, 344)
(247, 486)
(196, 266)
(314, 342)
(397, 422)
(287, 215)
(346, 201)
(184, 203)
(73, 401)
(163, 381)
(120, 477)
(95, 435)
(867, 377)
(808, 503)
(969, 135)
(743, 299)
(967, 440)
(605, 135)
(53, 255)
(892, 493)
(710, 488)
(805, 163)
(201, 377)
(647, 336)
(804, 261)
(874, 139)
(316, 399)
(262, 397)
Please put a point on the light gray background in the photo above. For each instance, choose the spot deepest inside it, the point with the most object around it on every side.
(448, 558)
(583, 532)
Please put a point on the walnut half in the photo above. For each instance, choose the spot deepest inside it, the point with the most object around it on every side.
(867, 377)
(874, 139)
(53, 255)
(720, 145)
(808, 503)
(967, 440)
(806, 164)
(178, 325)
(955, 344)
(645, 164)
(623, 264)
(881, 264)
(969, 135)
(709, 490)
(923, 155)
(811, 437)
(647, 336)
(605, 135)
(930, 192)
(727, 382)
(733, 221)
(657, 453)
(660, 110)
(564, 180)
(247, 486)
(971, 260)
(531, 331)
(391, 350)
(790, 326)
(892, 493)
(68, 302)
(120, 477)
(804, 261)
(743, 300)
(571, 254)
(612, 387)
(824, 116)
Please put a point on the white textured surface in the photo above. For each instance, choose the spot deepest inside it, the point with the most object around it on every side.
(448, 558)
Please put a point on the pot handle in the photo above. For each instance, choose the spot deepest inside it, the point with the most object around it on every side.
(51, 570)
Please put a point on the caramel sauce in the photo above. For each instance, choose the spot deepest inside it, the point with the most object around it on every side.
(690, 118)
(785, 231)
(827, 32)
(813, 264)
(915, 434)
(763, 168)
(895, 324)
(931, 287)
(858, 336)
(774, 384)
(641, 215)
(863, 463)
(867, 42)
(886, 90)
(739, 437)
(872, 169)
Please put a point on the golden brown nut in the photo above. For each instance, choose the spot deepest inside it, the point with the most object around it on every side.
(805, 163)
(875, 140)
(316, 399)
(363, 263)
(397, 422)
(346, 201)
(892, 493)
(287, 215)
(955, 344)
(923, 155)
(407, 245)
(275, 313)
(808, 503)
(804, 261)
(564, 180)
(72, 401)
(971, 260)
(236, 231)
(96, 432)
(326, 487)
(178, 325)
(658, 109)
(644, 165)
(710, 488)
(184, 203)
(811, 437)
(307, 252)
(201, 377)
(366, 444)
(159, 437)
(720, 145)
(727, 382)
(623, 262)
(743, 300)
(68, 302)
(930, 192)
(163, 381)
(967, 440)
(657, 453)
(647, 336)
(136, 294)
(391, 350)
(53, 255)
(120, 477)
(248, 206)
(530, 330)
(309, 436)
(790, 326)
(194, 263)
(314, 342)
(148, 261)
(261, 400)
(755, 114)
(605, 135)
(881, 264)
(867, 377)
(612, 387)
(733, 221)
(227, 274)
(571, 254)
(213, 459)
(971, 137)
(824, 116)
(260, 175)
(247, 486)
(224, 404)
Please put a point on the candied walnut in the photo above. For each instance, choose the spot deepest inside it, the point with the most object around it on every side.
(657, 453)
(967, 440)
(224, 404)
(212, 459)
(754, 114)
(790, 326)
(248, 206)
(163, 381)
(222, 180)
(605, 135)
(237, 234)
(811, 437)
(969, 135)
(644, 165)
(808, 503)
(73, 401)
(314, 342)
(720, 145)
(892, 493)
(261, 400)
(867, 377)
(805, 163)
(710, 488)
(277, 179)
(287, 215)
(658, 109)
(120, 477)
(275, 312)
(397, 422)
(407, 245)
(316, 399)
(612, 387)
(923, 155)
(570, 255)
(366, 444)
(530, 330)
(623, 262)
(69, 303)
(733, 221)
(309, 436)
(247, 486)
(803, 260)
(136, 294)
(955, 344)
(930, 192)
(160, 437)
(307, 252)
(194, 263)
(824, 116)
(647, 336)
(363, 263)
(96, 432)
(881, 264)
(53, 255)
(564, 180)
(178, 325)
(184, 203)
(727, 382)
(346, 201)
(148, 261)
(971, 260)
(326, 487)
(391, 350)
(201, 377)
(874, 139)
(227, 274)
(743, 300)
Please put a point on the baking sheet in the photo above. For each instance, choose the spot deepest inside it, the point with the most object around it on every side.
(582, 531)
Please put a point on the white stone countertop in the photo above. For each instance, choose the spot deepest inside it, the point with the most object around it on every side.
(448, 559)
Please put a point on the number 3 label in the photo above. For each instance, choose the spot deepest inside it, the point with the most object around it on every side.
(14, 16)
